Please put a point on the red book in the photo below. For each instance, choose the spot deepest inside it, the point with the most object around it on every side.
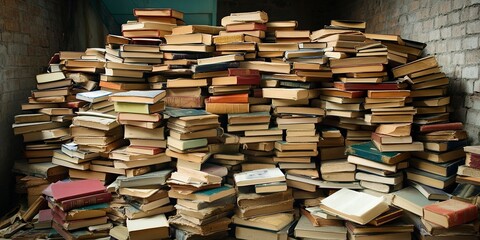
(85, 201)
(233, 98)
(236, 80)
(243, 72)
(450, 213)
(441, 127)
(473, 160)
(75, 189)
(250, 26)
(369, 86)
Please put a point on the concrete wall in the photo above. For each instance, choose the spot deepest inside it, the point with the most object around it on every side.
(30, 32)
(450, 28)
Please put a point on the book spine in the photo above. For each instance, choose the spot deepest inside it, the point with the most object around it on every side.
(366, 154)
(84, 201)
(229, 99)
(441, 126)
(474, 160)
(185, 102)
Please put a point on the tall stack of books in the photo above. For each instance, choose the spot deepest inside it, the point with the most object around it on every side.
(262, 194)
(442, 140)
(186, 83)
(141, 114)
(74, 215)
(202, 201)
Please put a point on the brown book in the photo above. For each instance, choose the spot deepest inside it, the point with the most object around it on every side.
(415, 66)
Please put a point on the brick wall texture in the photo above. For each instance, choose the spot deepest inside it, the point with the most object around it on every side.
(30, 32)
(451, 30)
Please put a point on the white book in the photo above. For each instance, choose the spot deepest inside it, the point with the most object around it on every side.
(355, 206)
(93, 96)
(259, 176)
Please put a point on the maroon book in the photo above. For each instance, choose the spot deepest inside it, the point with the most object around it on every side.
(75, 189)
(249, 26)
(96, 198)
(473, 160)
(441, 127)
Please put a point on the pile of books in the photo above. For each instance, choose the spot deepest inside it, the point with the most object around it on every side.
(262, 196)
(254, 129)
(73, 214)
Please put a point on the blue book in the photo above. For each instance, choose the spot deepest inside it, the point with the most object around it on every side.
(444, 146)
(368, 151)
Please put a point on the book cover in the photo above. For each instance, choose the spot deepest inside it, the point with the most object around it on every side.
(74, 189)
(214, 67)
(450, 213)
(368, 150)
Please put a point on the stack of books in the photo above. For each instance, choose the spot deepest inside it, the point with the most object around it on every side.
(74, 215)
(376, 170)
(242, 32)
(231, 93)
(141, 114)
(97, 102)
(429, 89)
(44, 126)
(144, 195)
(78, 62)
(263, 194)
(93, 138)
(275, 26)
(151, 23)
(470, 173)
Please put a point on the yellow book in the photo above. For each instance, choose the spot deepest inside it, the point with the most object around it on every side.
(141, 108)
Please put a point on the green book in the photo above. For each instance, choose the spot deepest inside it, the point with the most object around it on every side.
(142, 108)
(175, 112)
(368, 151)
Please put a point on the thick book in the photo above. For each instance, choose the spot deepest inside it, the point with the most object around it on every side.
(369, 86)
(442, 169)
(415, 66)
(430, 179)
(73, 203)
(450, 213)
(75, 189)
(355, 206)
(410, 199)
(368, 150)
(153, 227)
